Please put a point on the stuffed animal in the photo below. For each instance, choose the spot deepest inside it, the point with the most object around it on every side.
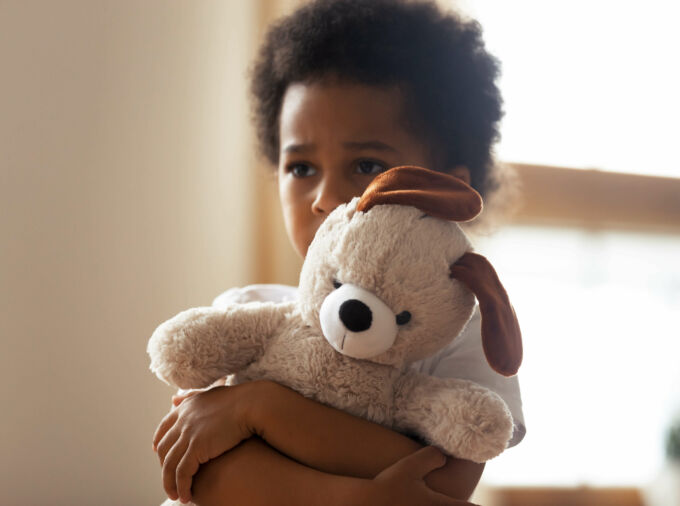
(388, 280)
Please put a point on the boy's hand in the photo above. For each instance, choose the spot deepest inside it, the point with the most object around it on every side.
(403, 482)
(201, 427)
(185, 394)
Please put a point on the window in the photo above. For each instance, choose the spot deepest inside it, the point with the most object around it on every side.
(592, 262)
(587, 83)
(600, 380)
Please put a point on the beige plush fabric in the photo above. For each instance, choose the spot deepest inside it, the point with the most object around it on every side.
(404, 258)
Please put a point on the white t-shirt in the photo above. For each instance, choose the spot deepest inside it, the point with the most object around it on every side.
(463, 358)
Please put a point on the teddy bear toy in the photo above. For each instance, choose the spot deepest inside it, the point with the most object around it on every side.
(389, 279)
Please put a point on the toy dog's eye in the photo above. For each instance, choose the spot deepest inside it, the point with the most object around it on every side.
(336, 283)
(403, 318)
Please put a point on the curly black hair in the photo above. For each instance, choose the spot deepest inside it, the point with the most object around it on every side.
(438, 59)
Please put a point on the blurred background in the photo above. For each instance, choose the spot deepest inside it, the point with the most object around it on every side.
(130, 190)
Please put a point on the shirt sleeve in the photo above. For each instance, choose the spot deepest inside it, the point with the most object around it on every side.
(256, 293)
(464, 359)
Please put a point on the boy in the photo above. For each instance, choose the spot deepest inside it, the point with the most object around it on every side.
(344, 90)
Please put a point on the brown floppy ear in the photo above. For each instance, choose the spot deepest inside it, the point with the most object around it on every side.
(435, 193)
(501, 337)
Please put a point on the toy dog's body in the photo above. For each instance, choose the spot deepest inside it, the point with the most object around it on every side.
(383, 394)
(369, 392)
(382, 287)
(299, 357)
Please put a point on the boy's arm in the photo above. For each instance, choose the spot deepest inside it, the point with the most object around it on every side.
(256, 474)
(335, 442)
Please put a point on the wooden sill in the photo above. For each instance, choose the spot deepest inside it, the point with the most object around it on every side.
(597, 199)
(579, 496)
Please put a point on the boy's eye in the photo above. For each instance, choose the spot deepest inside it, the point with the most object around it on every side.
(370, 167)
(301, 170)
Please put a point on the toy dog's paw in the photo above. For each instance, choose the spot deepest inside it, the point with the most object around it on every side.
(179, 351)
(485, 427)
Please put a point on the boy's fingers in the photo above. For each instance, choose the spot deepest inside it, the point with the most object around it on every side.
(186, 469)
(420, 463)
(167, 443)
(170, 465)
(444, 500)
(447, 501)
(167, 422)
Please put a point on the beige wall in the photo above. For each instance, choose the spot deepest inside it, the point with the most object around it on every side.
(275, 259)
(126, 185)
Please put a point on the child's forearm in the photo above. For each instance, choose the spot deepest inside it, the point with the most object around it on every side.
(335, 442)
(322, 437)
(255, 474)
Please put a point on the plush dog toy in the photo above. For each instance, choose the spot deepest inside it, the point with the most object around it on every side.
(388, 280)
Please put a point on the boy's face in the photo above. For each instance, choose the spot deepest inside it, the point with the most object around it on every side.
(334, 139)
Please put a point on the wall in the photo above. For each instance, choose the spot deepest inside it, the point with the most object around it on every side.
(126, 187)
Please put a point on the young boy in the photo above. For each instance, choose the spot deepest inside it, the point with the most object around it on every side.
(344, 90)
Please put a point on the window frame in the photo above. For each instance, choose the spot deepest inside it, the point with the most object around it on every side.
(595, 199)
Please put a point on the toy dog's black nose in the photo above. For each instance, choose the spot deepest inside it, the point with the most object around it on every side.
(355, 315)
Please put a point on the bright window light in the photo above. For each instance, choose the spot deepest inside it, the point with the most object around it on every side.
(600, 380)
(587, 83)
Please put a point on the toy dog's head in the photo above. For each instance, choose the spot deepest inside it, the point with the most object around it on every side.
(390, 276)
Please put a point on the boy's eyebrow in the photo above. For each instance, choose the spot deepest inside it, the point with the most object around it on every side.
(377, 145)
(353, 145)
(298, 148)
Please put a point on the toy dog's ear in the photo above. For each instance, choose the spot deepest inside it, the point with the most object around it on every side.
(501, 336)
(435, 193)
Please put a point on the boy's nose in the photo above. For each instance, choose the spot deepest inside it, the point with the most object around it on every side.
(330, 194)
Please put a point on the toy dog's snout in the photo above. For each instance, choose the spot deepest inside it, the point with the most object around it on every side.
(357, 323)
(355, 315)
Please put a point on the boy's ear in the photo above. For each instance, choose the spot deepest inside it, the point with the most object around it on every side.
(501, 336)
(435, 193)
